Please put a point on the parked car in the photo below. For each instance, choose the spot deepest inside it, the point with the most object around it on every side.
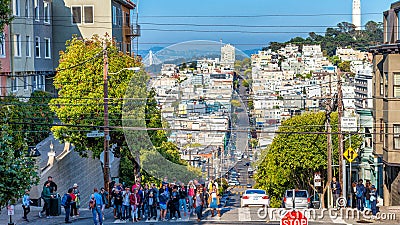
(315, 201)
(301, 199)
(254, 197)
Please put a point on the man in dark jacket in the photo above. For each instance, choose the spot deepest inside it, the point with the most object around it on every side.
(336, 191)
(360, 193)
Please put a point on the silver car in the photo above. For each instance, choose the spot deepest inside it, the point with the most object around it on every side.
(301, 199)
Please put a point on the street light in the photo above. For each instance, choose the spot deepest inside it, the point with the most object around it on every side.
(135, 69)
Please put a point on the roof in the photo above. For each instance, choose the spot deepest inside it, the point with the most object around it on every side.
(127, 3)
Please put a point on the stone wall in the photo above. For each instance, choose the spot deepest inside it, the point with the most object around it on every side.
(70, 168)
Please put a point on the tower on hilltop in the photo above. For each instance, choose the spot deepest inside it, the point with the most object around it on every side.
(357, 14)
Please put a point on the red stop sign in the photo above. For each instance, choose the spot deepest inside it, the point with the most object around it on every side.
(294, 218)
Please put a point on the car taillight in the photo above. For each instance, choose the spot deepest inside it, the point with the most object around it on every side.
(284, 199)
(265, 197)
(308, 200)
(245, 197)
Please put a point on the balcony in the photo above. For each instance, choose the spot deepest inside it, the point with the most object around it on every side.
(132, 30)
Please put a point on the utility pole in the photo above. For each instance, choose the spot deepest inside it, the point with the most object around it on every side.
(328, 108)
(106, 126)
(340, 135)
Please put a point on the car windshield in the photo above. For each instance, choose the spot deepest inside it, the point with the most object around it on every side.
(299, 194)
(259, 192)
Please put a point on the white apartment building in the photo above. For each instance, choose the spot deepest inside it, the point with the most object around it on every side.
(363, 89)
(228, 56)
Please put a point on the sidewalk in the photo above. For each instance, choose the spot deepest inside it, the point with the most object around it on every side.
(34, 218)
(85, 217)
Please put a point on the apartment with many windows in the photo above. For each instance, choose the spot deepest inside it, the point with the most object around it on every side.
(92, 17)
(27, 48)
(386, 105)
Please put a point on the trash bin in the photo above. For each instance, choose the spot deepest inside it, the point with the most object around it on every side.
(55, 206)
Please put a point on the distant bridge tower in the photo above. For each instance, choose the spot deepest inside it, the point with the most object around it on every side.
(357, 14)
(151, 59)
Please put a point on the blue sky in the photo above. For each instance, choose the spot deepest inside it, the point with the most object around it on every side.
(154, 16)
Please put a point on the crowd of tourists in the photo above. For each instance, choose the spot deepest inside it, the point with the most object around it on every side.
(165, 202)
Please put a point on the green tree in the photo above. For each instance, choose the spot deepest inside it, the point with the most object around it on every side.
(245, 84)
(17, 172)
(5, 14)
(235, 103)
(41, 116)
(80, 101)
(299, 150)
(344, 66)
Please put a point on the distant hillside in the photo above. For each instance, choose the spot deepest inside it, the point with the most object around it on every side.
(344, 35)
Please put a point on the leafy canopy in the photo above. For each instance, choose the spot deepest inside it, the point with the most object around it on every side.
(17, 172)
(80, 103)
(296, 153)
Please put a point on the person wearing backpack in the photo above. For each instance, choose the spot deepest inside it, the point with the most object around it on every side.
(95, 205)
(360, 194)
(66, 202)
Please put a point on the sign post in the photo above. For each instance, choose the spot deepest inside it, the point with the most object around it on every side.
(10, 212)
(294, 218)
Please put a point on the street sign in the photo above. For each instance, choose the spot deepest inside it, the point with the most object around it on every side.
(110, 159)
(350, 154)
(349, 124)
(10, 210)
(294, 218)
(317, 179)
(95, 134)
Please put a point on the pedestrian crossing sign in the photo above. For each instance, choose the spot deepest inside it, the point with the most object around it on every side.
(350, 154)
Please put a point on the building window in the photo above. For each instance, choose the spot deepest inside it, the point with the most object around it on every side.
(127, 19)
(76, 14)
(25, 82)
(16, 7)
(2, 46)
(17, 45)
(396, 85)
(88, 14)
(114, 15)
(119, 17)
(37, 82)
(46, 12)
(396, 136)
(14, 84)
(28, 46)
(47, 48)
(27, 8)
(37, 10)
(37, 47)
(381, 130)
(386, 142)
(386, 85)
